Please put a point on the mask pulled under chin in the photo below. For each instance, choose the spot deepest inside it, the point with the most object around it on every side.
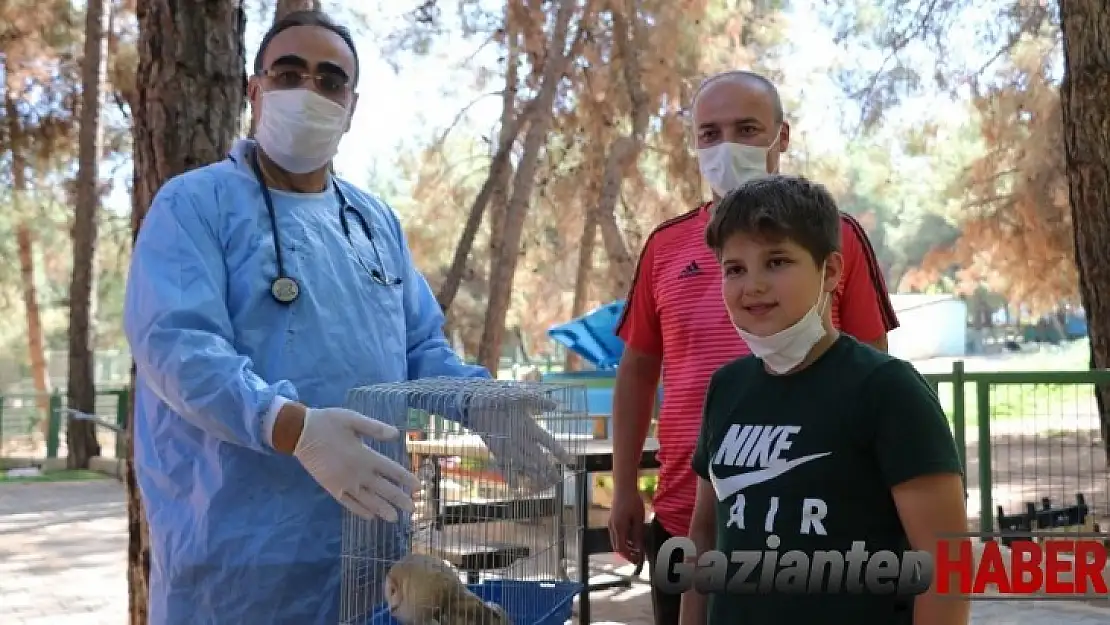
(299, 129)
(783, 351)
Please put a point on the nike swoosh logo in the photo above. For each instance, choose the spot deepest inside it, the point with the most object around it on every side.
(729, 486)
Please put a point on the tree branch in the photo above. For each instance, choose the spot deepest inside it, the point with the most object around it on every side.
(438, 143)
(1032, 22)
(490, 39)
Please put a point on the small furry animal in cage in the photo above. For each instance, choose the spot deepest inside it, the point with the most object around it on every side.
(424, 590)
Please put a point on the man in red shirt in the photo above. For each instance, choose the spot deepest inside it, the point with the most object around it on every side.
(675, 322)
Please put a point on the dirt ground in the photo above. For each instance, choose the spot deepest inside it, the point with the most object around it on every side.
(1029, 464)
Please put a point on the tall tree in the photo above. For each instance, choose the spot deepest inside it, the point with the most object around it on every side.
(1085, 97)
(646, 61)
(37, 49)
(494, 189)
(188, 99)
(1017, 235)
(559, 51)
(22, 198)
(633, 73)
(81, 440)
(630, 44)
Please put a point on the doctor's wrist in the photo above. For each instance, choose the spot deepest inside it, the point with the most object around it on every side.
(288, 426)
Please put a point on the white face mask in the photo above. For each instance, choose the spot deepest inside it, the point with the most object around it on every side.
(787, 348)
(300, 129)
(726, 165)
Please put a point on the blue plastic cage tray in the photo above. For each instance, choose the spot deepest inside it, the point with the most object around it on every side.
(526, 603)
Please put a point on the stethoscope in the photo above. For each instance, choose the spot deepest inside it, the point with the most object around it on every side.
(284, 288)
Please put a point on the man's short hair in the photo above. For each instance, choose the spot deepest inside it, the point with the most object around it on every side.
(758, 79)
(775, 208)
(307, 18)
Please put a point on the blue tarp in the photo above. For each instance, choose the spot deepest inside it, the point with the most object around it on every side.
(593, 336)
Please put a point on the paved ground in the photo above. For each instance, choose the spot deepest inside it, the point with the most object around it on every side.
(63, 562)
(63, 554)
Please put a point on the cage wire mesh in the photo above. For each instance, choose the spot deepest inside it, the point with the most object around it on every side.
(486, 544)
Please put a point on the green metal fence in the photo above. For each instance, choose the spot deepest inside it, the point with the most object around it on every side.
(1025, 437)
(33, 427)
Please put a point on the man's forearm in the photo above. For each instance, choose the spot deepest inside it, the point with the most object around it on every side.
(633, 403)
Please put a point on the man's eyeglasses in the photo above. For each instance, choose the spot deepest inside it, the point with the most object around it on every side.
(329, 83)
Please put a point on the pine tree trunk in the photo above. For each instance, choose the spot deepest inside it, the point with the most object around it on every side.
(494, 186)
(625, 151)
(25, 244)
(503, 268)
(189, 100)
(36, 344)
(582, 276)
(81, 440)
(499, 196)
(1085, 99)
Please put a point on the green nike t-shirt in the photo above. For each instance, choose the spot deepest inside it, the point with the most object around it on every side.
(806, 462)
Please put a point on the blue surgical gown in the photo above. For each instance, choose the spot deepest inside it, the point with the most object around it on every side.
(241, 534)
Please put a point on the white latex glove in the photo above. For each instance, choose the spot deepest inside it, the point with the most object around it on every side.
(526, 454)
(361, 479)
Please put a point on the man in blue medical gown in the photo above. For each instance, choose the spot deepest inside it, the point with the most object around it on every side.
(261, 290)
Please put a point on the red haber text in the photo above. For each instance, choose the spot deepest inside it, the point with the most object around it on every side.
(1052, 567)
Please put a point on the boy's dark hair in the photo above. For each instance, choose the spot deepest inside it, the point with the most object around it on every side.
(775, 208)
(307, 18)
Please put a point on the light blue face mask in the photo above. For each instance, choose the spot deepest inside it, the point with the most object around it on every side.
(727, 165)
(786, 349)
(300, 129)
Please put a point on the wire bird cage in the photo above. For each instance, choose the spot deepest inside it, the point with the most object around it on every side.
(488, 538)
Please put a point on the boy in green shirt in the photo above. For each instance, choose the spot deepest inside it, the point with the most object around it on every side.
(816, 440)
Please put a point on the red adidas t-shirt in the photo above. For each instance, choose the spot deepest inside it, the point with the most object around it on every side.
(675, 310)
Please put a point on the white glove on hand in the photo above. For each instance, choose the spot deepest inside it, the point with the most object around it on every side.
(520, 446)
(361, 479)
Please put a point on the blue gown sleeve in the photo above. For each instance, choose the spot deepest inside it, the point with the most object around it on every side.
(177, 324)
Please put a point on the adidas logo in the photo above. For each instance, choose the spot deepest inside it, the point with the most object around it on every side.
(690, 270)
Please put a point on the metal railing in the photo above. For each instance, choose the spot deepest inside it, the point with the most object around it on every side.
(29, 432)
(1028, 436)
